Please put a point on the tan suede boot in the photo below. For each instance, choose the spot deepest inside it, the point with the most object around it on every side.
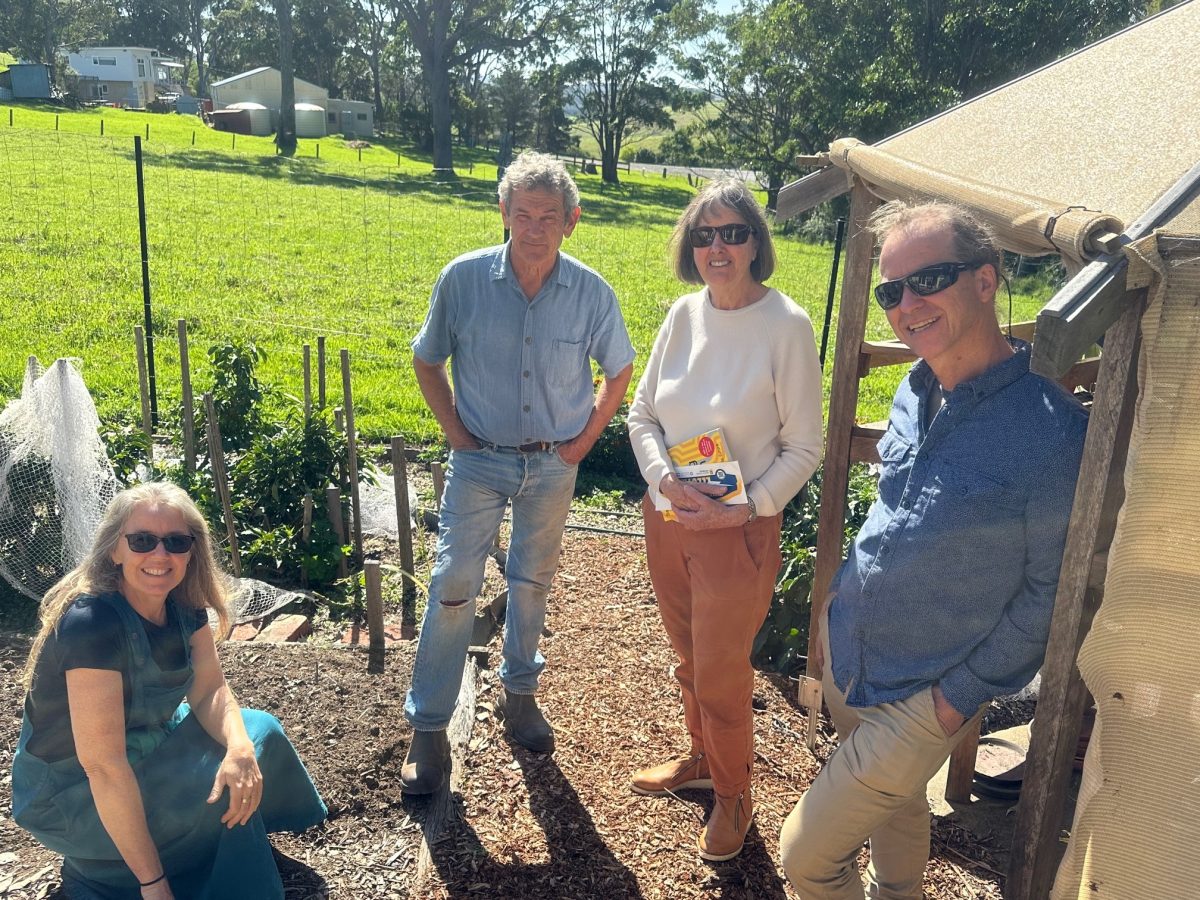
(724, 835)
(426, 764)
(674, 775)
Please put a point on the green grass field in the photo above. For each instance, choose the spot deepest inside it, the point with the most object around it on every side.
(245, 243)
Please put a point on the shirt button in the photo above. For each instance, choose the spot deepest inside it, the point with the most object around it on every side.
(529, 340)
(904, 504)
(525, 407)
(525, 374)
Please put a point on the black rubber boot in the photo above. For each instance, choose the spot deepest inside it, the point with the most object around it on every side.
(525, 724)
(427, 763)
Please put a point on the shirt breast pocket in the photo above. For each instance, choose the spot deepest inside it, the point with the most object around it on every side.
(980, 490)
(894, 452)
(567, 360)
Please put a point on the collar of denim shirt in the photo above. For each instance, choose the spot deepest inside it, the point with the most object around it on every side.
(502, 269)
(981, 386)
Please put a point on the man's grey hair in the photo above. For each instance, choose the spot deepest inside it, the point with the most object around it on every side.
(974, 241)
(533, 171)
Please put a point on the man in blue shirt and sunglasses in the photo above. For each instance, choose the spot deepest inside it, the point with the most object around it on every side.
(945, 599)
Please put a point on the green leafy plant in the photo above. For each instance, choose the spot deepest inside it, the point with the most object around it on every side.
(236, 391)
(781, 645)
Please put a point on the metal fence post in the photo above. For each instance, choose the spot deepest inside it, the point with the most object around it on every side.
(146, 308)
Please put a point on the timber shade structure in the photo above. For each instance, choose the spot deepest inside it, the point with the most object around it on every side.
(1095, 157)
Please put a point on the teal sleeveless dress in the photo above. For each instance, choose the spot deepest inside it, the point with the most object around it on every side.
(175, 762)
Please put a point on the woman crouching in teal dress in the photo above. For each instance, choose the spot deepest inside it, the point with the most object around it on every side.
(145, 795)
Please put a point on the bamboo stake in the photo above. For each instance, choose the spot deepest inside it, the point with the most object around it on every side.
(352, 454)
(320, 373)
(307, 383)
(333, 506)
(144, 389)
(216, 458)
(408, 613)
(189, 411)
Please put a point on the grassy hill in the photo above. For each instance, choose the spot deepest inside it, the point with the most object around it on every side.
(245, 243)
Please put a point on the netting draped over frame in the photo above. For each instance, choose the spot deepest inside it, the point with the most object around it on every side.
(55, 478)
(1024, 224)
(1135, 821)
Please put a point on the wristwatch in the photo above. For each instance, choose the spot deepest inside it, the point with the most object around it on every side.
(753, 509)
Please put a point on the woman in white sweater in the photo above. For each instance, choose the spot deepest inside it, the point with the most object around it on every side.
(738, 356)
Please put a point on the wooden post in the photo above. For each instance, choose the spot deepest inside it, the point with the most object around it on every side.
(374, 583)
(307, 384)
(320, 372)
(408, 613)
(144, 390)
(961, 777)
(216, 458)
(147, 131)
(101, 126)
(352, 454)
(189, 409)
(193, 137)
(1099, 494)
(333, 505)
(306, 530)
(318, 149)
(438, 471)
(843, 404)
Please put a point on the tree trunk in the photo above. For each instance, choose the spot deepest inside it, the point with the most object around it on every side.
(609, 150)
(285, 135)
(439, 113)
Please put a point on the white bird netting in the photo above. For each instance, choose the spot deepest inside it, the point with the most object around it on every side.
(55, 478)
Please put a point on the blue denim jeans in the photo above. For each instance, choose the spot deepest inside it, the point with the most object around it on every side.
(479, 486)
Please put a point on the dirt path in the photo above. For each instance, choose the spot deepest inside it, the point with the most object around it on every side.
(523, 825)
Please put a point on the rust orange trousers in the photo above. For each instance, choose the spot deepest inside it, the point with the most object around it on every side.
(714, 589)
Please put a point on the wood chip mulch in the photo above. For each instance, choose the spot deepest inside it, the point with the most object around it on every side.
(521, 825)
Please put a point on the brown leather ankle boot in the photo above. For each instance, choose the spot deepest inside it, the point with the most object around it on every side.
(674, 775)
(724, 835)
(426, 764)
(524, 722)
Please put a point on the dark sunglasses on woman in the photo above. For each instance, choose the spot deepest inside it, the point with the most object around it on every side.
(145, 541)
(923, 282)
(704, 235)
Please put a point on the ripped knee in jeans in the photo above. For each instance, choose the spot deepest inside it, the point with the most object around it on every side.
(453, 604)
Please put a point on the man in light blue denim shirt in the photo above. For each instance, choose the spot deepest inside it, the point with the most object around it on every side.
(945, 599)
(521, 324)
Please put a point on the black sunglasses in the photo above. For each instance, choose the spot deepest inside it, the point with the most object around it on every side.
(145, 541)
(704, 235)
(923, 282)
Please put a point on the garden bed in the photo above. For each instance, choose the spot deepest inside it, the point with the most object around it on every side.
(523, 825)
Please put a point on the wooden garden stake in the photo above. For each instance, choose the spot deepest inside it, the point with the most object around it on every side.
(333, 506)
(189, 411)
(144, 390)
(408, 612)
(306, 531)
(307, 383)
(374, 581)
(320, 373)
(352, 453)
(216, 458)
(438, 471)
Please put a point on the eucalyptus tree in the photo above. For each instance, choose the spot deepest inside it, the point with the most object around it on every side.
(620, 76)
(449, 33)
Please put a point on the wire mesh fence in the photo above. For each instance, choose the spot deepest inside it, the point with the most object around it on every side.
(281, 251)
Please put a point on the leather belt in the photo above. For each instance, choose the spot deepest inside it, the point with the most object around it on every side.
(538, 446)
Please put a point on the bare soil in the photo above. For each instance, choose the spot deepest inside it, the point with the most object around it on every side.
(523, 825)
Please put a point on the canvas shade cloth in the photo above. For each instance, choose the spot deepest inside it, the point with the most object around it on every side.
(1137, 819)
(1108, 129)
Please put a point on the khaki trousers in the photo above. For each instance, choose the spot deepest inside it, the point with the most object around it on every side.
(714, 589)
(873, 787)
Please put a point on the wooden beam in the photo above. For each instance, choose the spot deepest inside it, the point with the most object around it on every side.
(811, 190)
(863, 441)
(843, 403)
(811, 160)
(1098, 497)
(1091, 301)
